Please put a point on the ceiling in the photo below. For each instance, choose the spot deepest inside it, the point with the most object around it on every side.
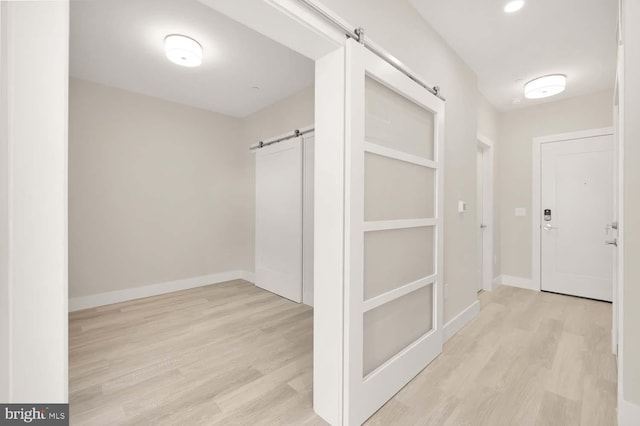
(572, 37)
(119, 43)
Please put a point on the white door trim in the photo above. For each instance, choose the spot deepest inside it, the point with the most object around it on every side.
(618, 308)
(535, 190)
(488, 158)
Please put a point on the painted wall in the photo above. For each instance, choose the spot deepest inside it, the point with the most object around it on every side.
(397, 27)
(33, 201)
(4, 213)
(513, 167)
(158, 191)
(631, 321)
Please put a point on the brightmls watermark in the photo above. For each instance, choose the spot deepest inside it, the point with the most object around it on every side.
(37, 414)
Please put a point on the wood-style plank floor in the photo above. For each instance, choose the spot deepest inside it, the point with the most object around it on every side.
(233, 354)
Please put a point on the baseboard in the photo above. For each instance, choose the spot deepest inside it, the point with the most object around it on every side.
(516, 282)
(248, 276)
(497, 282)
(101, 299)
(628, 413)
(459, 321)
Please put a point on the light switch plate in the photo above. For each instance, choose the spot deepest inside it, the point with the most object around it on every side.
(520, 211)
(462, 206)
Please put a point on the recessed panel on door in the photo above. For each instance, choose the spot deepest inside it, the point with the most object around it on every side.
(396, 122)
(396, 189)
(392, 327)
(393, 258)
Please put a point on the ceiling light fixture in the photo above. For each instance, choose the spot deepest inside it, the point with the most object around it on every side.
(183, 50)
(546, 86)
(513, 6)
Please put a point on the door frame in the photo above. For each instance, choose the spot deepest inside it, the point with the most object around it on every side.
(488, 159)
(536, 175)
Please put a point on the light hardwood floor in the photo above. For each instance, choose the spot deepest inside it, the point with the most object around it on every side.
(233, 354)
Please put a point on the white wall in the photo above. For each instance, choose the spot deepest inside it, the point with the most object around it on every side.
(514, 164)
(33, 201)
(161, 191)
(158, 191)
(397, 27)
(4, 214)
(631, 344)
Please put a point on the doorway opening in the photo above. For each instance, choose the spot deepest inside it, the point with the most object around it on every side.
(484, 212)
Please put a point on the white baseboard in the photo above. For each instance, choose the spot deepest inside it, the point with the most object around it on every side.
(628, 413)
(101, 299)
(459, 321)
(497, 282)
(519, 282)
(248, 276)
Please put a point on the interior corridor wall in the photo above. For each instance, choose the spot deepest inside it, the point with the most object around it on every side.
(158, 191)
(631, 321)
(514, 164)
(397, 27)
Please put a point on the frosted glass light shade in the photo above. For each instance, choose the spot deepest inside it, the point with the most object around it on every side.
(183, 50)
(546, 86)
(513, 6)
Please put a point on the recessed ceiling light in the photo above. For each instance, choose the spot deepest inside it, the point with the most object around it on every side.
(546, 86)
(513, 6)
(183, 50)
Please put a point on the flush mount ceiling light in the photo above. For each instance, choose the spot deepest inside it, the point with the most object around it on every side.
(513, 6)
(183, 50)
(546, 86)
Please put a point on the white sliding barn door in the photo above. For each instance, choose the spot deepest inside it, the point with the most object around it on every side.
(393, 278)
(279, 219)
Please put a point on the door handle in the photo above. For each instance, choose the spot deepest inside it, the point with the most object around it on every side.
(548, 227)
(483, 226)
(613, 242)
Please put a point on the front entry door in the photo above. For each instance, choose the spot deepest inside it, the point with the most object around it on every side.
(394, 183)
(577, 213)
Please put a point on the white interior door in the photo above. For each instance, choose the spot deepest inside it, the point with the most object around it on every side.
(394, 176)
(279, 219)
(480, 218)
(577, 211)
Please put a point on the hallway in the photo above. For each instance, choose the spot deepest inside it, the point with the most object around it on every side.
(530, 358)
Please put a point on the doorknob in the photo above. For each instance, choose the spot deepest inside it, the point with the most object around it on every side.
(483, 226)
(613, 242)
(548, 227)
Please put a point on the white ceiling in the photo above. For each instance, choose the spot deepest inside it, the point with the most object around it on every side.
(572, 37)
(120, 43)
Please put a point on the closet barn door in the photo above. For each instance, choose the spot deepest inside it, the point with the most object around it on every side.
(394, 176)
